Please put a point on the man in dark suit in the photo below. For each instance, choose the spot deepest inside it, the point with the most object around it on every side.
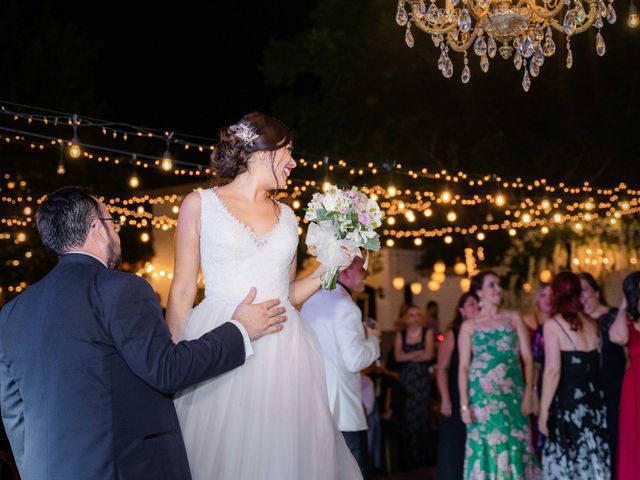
(87, 365)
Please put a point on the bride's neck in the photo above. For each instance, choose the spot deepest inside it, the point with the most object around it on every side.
(248, 187)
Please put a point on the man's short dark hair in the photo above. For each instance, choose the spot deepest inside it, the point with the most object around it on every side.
(65, 217)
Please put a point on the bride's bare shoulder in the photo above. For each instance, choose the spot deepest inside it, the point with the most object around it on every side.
(191, 201)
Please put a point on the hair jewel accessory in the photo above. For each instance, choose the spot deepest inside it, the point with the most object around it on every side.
(244, 133)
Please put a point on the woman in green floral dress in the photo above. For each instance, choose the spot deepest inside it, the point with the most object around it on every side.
(495, 404)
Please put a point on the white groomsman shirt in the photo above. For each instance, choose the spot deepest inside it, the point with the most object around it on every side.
(337, 321)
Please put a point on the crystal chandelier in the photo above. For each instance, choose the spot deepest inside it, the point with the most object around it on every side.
(521, 30)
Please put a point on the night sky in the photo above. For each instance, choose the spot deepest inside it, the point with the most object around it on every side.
(191, 67)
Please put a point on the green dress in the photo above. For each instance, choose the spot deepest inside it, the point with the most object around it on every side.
(499, 441)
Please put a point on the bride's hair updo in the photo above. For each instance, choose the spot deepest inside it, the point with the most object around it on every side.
(255, 132)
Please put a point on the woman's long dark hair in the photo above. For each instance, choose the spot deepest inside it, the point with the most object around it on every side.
(587, 277)
(566, 299)
(458, 319)
(631, 288)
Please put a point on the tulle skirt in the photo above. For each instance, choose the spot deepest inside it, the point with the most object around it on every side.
(268, 419)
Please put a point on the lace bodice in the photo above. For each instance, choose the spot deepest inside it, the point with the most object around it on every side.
(234, 258)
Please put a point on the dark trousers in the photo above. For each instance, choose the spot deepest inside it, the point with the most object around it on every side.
(357, 443)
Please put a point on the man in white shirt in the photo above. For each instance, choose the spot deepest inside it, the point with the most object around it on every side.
(348, 346)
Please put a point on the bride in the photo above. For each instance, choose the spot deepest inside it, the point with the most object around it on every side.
(268, 419)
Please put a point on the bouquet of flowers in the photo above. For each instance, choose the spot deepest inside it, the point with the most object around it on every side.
(342, 223)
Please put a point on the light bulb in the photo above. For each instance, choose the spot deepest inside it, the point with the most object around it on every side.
(417, 242)
(74, 150)
(167, 163)
(398, 283)
(451, 216)
(61, 170)
(500, 200)
(145, 237)
(390, 242)
(460, 268)
(439, 267)
(546, 276)
(134, 182)
(632, 20)
(391, 191)
(416, 288)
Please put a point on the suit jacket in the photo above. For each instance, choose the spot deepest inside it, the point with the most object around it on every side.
(337, 321)
(87, 372)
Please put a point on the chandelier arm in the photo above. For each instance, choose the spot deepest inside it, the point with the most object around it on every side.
(462, 48)
(588, 21)
(582, 28)
(541, 11)
(476, 11)
(432, 30)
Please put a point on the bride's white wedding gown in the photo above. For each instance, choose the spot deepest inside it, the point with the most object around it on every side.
(268, 419)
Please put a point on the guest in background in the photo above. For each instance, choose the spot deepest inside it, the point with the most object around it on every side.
(348, 346)
(534, 322)
(452, 431)
(626, 331)
(572, 410)
(494, 403)
(414, 349)
(374, 431)
(614, 360)
(431, 316)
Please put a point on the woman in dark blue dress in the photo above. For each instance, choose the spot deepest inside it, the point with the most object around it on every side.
(614, 360)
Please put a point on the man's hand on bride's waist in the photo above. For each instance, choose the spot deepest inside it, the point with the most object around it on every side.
(259, 319)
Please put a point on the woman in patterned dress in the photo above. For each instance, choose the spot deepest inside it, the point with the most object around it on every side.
(536, 319)
(572, 409)
(494, 403)
(414, 348)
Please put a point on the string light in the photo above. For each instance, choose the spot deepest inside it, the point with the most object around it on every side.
(74, 147)
(632, 20)
(416, 288)
(134, 181)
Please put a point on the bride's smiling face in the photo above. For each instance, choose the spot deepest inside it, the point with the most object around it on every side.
(278, 165)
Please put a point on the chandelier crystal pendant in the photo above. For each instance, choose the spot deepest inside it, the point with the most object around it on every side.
(522, 30)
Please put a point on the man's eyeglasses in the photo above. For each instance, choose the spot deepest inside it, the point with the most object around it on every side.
(117, 226)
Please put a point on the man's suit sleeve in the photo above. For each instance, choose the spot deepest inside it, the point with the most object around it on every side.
(12, 408)
(357, 351)
(137, 326)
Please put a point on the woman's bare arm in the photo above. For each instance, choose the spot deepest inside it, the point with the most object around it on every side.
(551, 375)
(464, 350)
(619, 331)
(524, 345)
(301, 290)
(444, 360)
(186, 265)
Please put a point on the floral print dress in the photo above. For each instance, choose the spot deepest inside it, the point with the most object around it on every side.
(577, 447)
(498, 442)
